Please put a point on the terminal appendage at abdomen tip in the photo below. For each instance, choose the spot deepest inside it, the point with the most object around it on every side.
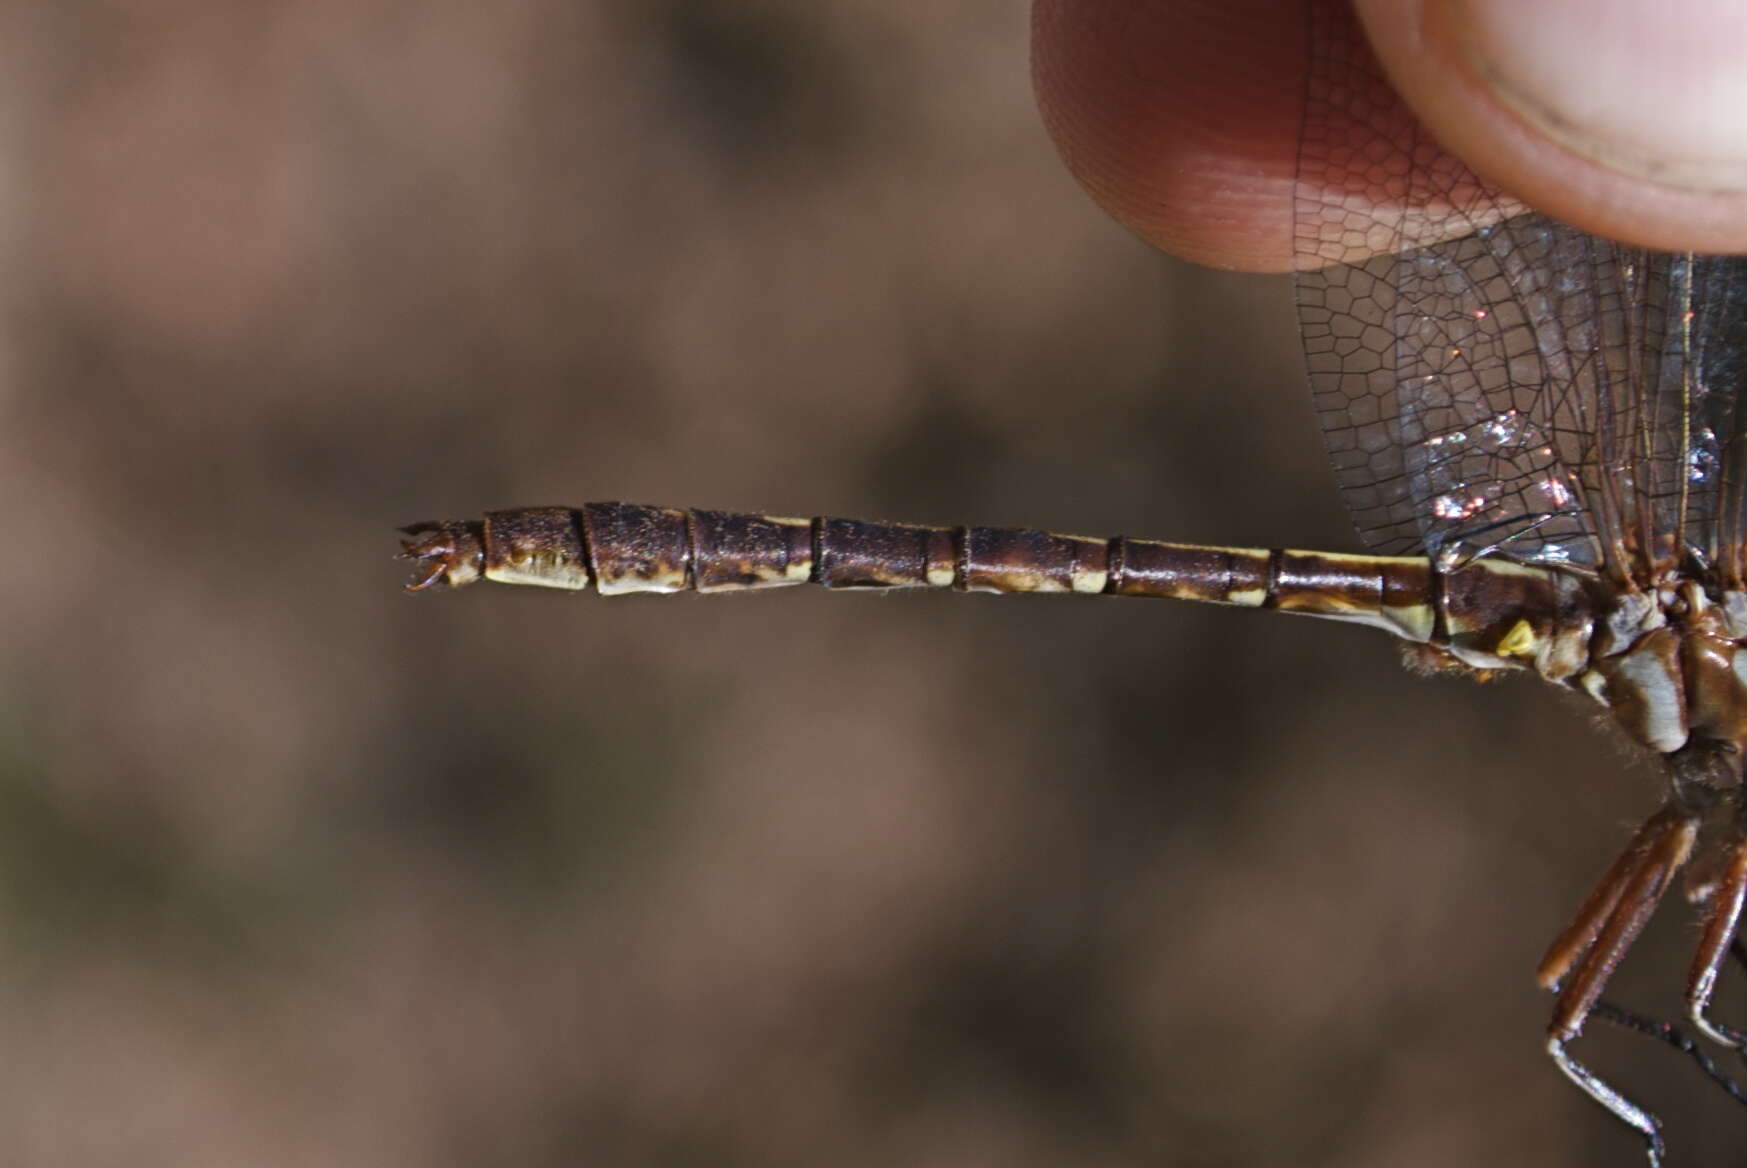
(450, 553)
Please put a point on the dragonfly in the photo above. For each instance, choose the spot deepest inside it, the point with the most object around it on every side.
(1542, 439)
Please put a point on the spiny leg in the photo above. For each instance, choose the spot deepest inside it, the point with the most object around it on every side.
(1591, 946)
(1576, 938)
(1725, 896)
(1720, 884)
(1720, 887)
(1675, 1037)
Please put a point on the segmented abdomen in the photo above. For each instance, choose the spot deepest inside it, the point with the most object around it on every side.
(627, 547)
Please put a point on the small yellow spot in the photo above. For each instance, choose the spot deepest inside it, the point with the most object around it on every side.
(1519, 642)
(1090, 582)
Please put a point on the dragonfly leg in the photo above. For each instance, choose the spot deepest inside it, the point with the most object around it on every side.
(1724, 895)
(1721, 888)
(1584, 955)
(1675, 1037)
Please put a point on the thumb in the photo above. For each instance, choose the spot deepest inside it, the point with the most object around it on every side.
(1627, 118)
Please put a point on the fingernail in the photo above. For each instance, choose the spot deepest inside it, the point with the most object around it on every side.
(1647, 87)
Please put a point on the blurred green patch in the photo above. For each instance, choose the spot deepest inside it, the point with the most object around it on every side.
(76, 874)
(549, 806)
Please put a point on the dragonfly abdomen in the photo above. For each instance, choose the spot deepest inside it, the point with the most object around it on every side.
(626, 547)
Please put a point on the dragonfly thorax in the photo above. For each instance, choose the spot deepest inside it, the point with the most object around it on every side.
(1668, 662)
(1671, 667)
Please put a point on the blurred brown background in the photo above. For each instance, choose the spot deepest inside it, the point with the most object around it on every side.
(297, 870)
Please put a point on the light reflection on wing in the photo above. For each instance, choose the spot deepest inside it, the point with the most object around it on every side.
(1523, 389)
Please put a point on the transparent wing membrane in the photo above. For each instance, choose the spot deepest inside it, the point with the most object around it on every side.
(1717, 454)
(1498, 382)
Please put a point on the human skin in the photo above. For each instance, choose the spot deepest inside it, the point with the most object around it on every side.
(1627, 118)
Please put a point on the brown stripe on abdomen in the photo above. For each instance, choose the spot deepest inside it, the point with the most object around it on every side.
(1395, 591)
(1001, 559)
(542, 546)
(856, 553)
(1181, 571)
(734, 552)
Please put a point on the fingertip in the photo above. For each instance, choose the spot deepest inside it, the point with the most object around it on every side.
(1563, 115)
(1180, 118)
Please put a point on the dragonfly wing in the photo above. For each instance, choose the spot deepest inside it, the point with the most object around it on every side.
(1496, 382)
(1716, 456)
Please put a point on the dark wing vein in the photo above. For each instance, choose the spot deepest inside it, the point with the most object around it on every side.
(1514, 386)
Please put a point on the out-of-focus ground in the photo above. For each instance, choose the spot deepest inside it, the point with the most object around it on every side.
(295, 869)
